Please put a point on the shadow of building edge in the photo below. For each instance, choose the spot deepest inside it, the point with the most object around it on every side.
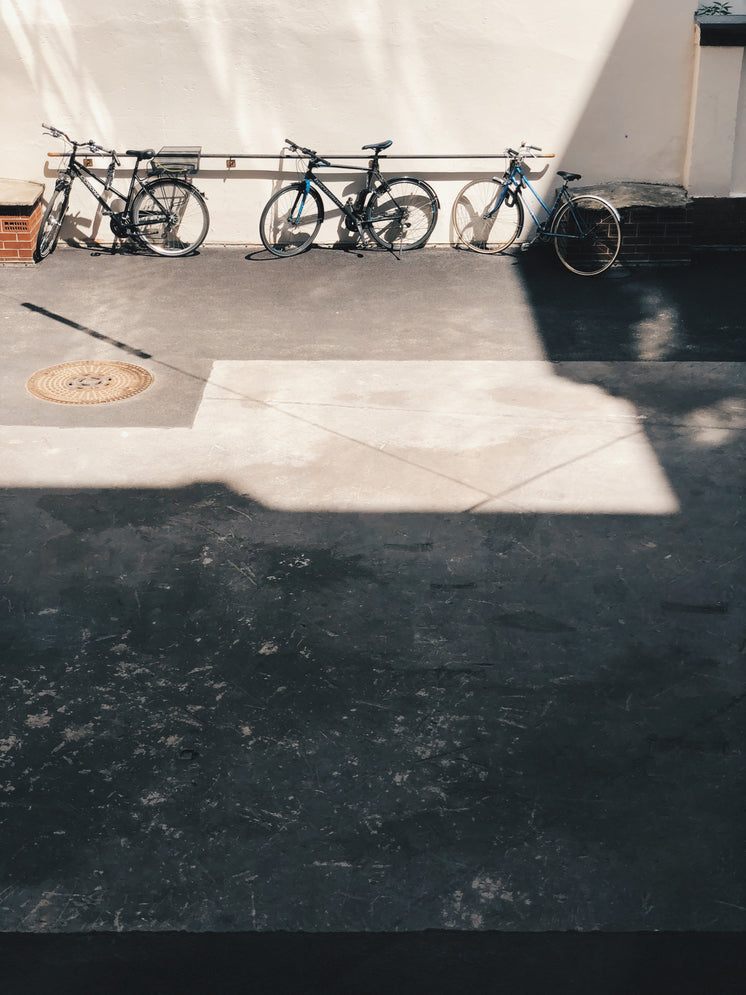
(337, 963)
(171, 582)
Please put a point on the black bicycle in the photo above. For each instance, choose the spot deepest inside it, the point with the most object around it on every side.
(398, 213)
(163, 213)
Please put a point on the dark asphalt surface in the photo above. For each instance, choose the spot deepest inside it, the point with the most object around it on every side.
(225, 718)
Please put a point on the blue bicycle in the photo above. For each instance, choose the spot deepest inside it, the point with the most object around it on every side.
(488, 216)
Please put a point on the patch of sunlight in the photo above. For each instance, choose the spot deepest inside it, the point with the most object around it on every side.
(15, 15)
(215, 44)
(655, 337)
(717, 424)
(53, 12)
(377, 436)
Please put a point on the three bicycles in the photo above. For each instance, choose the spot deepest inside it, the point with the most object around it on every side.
(163, 213)
(398, 213)
(488, 217)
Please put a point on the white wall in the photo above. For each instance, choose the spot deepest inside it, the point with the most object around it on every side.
(738, 176)
(604, 85)
(717, 106)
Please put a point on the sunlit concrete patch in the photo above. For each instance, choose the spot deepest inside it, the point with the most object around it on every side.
(377, 437)
(617, 475)
(433, 436)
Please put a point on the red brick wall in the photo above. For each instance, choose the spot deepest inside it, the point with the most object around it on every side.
(656, 235)
(19, 227)
(672, 234)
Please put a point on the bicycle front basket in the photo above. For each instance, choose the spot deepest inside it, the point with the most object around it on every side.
(184, 161)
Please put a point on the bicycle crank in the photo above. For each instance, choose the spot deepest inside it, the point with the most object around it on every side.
(120, 227)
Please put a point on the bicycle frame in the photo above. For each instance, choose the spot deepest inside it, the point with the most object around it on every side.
(80, 171)
(352, 208)
(163, 214)
(515, 180)
(489, 215)
(396, 212)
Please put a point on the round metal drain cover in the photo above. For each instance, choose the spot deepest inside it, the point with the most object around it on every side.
(88, 382)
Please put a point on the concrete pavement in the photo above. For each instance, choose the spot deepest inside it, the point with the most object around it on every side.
(409, 596)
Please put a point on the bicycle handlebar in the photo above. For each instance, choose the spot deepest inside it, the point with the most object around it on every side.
(56, 133)
(313, 155)
(528, 152)
(299, 148)
(90, 144)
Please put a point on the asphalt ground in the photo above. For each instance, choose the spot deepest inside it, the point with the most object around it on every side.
(408, 598)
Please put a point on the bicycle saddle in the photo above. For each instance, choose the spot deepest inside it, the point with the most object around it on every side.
(569, 176)
(378, 146)
(142, 154)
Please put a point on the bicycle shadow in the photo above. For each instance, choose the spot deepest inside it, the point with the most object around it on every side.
(472, 212)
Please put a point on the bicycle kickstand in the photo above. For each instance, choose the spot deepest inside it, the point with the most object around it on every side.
(529, 242)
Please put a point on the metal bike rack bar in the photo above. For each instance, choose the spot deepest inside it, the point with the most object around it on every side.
(280, 156)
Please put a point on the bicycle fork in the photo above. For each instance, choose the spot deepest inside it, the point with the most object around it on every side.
(300, 203)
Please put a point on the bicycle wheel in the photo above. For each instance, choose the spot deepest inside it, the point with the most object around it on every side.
(402, 213)
(290, 220)
(51, 223)
(478, 225)
(587, 235)
(170, 216)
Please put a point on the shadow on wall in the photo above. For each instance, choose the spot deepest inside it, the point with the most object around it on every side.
(215, 78)
(630, 110)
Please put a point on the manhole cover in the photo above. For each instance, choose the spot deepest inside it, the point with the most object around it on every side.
(88, 382)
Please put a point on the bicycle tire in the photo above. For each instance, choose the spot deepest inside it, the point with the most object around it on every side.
(479, 230)
(188, 219)
(280, 232)
(402, 213)
(587, 234)
(51, 223)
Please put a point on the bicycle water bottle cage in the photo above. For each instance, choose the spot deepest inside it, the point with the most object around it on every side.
(378, 146)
